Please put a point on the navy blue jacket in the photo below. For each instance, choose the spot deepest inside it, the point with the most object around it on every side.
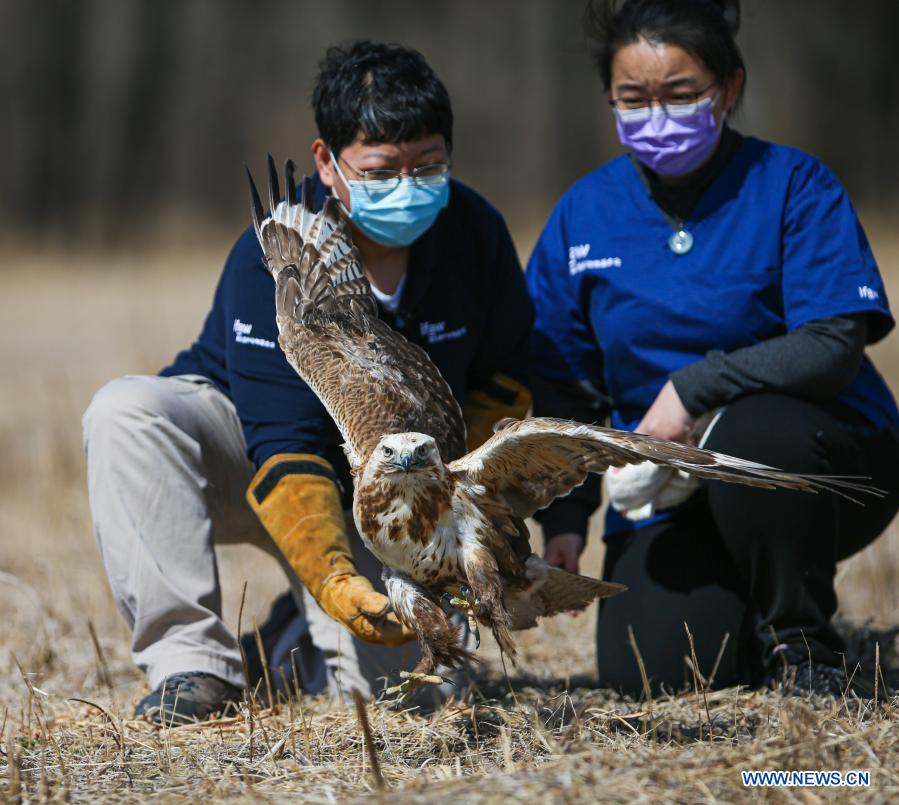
(464, 301)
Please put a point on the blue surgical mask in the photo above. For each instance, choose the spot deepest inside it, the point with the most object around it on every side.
(395, 214)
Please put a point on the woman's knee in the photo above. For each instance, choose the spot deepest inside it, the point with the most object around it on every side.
(676, 572)
(781, 431)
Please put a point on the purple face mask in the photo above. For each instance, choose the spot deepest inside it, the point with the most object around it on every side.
(673, 142)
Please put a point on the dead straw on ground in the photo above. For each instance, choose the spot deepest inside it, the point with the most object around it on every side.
(556, 745)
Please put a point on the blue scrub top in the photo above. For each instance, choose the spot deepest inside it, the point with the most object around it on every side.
(777, 244)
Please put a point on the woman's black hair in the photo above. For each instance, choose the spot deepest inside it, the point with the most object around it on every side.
(705, 28)
(388, 93)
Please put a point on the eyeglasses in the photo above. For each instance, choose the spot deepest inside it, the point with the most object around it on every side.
(423, 175)
(675, 102)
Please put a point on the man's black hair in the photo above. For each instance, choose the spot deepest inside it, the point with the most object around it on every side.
(705, 28)
(386, 93)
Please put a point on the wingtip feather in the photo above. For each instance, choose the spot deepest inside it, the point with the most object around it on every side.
(290, 184)
(274, 190)
(256, 211)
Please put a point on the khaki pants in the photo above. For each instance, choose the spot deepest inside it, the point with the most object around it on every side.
(167, 472)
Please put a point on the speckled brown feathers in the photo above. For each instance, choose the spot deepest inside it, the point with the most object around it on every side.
(427, 509)
(426, 506)
(415, 606)
(442, 644)
(369, 504)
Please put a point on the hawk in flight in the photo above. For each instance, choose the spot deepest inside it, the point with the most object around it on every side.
(448, 526)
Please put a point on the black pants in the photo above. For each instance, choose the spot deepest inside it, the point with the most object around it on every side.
(748, 561)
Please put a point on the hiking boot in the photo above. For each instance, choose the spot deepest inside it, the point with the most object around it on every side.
(816, 679)
(188, 697)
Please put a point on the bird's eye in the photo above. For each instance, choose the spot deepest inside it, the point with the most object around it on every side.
(421, 450)
(388, 451)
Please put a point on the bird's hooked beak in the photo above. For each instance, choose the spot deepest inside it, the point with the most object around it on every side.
(407, 460)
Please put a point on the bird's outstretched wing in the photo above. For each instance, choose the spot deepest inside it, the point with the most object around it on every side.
(371, 380)
(528, 463)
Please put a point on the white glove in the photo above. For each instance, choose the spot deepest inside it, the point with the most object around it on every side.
(638, 491)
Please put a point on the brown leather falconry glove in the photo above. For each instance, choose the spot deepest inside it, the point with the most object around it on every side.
(296, 498)
(486, 406)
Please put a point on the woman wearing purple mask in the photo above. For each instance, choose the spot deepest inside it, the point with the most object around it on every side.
(712, 287)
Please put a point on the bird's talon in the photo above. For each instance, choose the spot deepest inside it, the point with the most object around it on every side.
(465, 600)
(412, 681)
(469, 604)
(473, 627)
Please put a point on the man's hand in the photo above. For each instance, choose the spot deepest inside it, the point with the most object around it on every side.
(564, 551)
(351, 600)
(667, 418)
(295, 497)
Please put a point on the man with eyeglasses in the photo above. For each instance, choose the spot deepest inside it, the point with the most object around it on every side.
(175, 459)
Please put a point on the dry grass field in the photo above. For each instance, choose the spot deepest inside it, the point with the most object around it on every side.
(68, 326)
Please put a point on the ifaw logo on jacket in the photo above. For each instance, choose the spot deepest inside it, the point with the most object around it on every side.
(242, 335)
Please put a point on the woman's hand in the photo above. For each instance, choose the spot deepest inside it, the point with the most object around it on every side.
(564, 550)
(667, 418)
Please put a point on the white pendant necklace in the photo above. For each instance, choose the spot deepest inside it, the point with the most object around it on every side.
(681, 241)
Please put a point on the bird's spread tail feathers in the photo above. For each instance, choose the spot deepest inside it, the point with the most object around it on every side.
(551, 590)
(310, 254)
(571, 591)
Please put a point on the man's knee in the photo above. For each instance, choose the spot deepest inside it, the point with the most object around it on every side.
(118, 405)
(122, 398)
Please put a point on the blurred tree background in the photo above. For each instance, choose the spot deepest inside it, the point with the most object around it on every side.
(128, 121)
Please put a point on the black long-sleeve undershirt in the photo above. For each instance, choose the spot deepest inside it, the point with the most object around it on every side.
(814, 362)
